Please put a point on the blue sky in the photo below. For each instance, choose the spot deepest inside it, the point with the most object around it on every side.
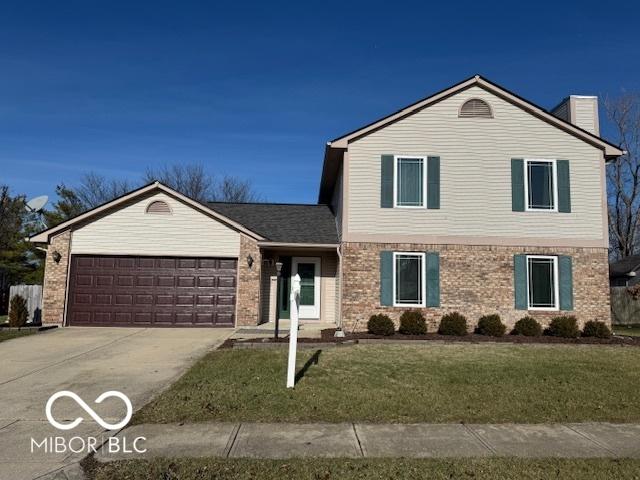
(256, 89)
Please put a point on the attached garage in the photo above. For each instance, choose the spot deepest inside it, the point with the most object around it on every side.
(152, 258)
(146, 291)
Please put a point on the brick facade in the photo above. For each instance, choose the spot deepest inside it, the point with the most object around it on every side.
(55, 280)
(248, 296)
(474, 280)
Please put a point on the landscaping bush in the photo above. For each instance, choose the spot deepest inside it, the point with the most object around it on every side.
(565, 327)
(412, 322)
(491, 325)
(18, 312)
(453, 324)
(596, 329)
(527, 326)
(380, 325)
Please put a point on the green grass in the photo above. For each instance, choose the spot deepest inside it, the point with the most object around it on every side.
(9, 334)
(409, 383)
(4, 319)
(327, 469)
(633, 330)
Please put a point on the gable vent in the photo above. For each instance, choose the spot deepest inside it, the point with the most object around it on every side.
(476, 108)
(158, 207)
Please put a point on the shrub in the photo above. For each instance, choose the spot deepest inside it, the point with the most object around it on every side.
(565, 326)
(380, 325)
(596, 329)
(491, 325)
(453, 324)
(18, 312)
(412, 322)
(527, 326)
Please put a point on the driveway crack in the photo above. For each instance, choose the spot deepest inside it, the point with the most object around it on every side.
(70, 358)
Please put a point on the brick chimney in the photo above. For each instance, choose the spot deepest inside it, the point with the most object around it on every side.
(581, 110)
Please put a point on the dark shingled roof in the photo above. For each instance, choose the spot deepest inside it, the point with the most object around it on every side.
(279, 222)
(624, 266)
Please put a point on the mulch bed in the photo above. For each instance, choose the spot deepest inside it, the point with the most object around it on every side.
(327, 336)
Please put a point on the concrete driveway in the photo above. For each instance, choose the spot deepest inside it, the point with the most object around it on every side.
(138, 362)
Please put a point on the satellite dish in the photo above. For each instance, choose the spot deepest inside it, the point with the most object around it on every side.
(35, 205)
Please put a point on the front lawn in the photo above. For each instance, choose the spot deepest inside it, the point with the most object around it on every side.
(9, 334)
(632, 330)
(327, 469)
(409, 383)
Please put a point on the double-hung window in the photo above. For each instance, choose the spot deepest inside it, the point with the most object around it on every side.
(409, 279)
(541, 185)
(411, 181)
(542, 282)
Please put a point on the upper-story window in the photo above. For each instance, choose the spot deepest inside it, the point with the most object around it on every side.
(541, 185)
(411, 181)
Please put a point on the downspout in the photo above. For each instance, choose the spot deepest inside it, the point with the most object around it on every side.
(339, 331)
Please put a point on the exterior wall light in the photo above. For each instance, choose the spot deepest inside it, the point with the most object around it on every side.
(249, 261)
(56, 256)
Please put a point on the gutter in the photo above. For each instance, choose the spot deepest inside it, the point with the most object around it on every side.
(329, 246)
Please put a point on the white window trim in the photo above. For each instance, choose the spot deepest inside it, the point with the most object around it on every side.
(423, 274)
(554, 173)
(395, 181)
(556, 285)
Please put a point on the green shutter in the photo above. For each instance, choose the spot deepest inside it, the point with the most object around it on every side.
(517, 185)
(520, 281)
(433, 279)
(386, 278)
(564, 187)
(386, 182)
(433, 182)
(565, 282)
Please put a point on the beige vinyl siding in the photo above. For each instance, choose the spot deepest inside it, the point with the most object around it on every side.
(562, 111)
(328, 287)
(585, 110)
(336, 202)
(475, 163)
(130, 231)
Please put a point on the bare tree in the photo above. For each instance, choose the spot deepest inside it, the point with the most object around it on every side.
(233, 189)
(95, 189)
(191, 180)
(195, 182)
(623, 175)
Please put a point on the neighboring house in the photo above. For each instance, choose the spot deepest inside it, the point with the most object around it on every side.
(471, 200)
(625, 272)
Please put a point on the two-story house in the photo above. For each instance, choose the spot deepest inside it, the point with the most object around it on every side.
(471, 200)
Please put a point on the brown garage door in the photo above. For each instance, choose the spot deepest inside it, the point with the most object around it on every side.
(151, 291)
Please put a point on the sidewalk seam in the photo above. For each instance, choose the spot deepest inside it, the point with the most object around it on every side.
(360, 446)
(590, 439)
(232, 440)
(482, 441)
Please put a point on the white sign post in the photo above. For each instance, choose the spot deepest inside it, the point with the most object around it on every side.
(293, 330)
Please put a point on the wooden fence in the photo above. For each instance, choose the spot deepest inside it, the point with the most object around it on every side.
(625, 309)
(33, 295)
(4, 292)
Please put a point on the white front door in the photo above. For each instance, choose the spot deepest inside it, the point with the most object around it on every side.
(309, 270)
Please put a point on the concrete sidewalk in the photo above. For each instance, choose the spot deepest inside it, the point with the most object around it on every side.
(285, 440)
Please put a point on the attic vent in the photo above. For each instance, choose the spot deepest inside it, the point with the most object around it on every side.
(158, 207)
(475, 108)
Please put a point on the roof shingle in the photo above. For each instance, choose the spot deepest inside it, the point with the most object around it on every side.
(287, 223)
